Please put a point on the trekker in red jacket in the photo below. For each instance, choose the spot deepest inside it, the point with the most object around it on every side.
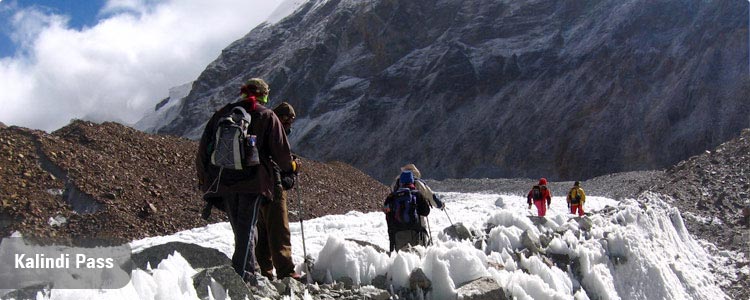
(539, 193)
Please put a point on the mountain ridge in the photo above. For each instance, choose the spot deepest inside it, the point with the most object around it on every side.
(563, 89)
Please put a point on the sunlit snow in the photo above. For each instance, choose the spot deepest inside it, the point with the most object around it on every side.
(636, 249)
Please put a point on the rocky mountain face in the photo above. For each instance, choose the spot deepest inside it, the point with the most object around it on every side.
(111, 181)
(563, 89)
(711, 189)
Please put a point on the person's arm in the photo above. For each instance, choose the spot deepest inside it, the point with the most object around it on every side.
(423, 208)
(583, 196)
(549, 197)
(528, 197)
(387, 204)
(428, 194)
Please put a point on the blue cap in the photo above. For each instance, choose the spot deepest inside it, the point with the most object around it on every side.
(406, 177)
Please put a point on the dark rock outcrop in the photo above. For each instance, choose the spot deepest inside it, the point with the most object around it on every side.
(565, 89)
(197, 256)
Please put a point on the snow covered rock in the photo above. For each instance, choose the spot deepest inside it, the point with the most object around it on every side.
(288, 286)
(584, 223)
(484, 288)
(221, 280)
(369, 292)
(458, 231)
(418, 280)
(530, 240)
(380, 282)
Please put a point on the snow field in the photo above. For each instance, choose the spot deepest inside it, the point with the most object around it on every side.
(636, 249)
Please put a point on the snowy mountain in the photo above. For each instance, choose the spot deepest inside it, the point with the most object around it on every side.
(565, 89)
(631, 249)
(166, 110)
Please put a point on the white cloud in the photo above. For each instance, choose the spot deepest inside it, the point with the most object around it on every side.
(119, 68)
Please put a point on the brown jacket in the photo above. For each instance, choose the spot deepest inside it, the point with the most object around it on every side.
(272, 144)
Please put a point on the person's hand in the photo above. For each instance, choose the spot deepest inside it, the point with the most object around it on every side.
(296, 165)
(438, 203)
(288, 179)
(529, 206)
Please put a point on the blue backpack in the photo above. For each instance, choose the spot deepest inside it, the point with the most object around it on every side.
(404, 207)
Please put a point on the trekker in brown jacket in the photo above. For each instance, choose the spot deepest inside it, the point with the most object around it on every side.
(243, 191)
(274, 248)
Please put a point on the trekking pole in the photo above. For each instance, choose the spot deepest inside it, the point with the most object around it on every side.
(445, 209)
(429, 230)
(302, 230)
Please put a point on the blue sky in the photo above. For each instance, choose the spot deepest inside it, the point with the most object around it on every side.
(110, 60)
(82, 13)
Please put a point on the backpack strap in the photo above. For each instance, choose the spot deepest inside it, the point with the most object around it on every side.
(242, 110)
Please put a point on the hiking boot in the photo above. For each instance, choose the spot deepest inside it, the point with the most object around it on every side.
(250, 279)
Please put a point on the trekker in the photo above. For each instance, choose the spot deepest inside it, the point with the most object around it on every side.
(423, 188)
(234, 163)
(403, 209)
(274, 248)
(576, 198)
(538, 194)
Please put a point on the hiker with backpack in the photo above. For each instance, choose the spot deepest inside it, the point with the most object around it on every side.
(423, 188)
(274, 248)
(234, 163)
(576, 198)
(403, 209)
(540, 196)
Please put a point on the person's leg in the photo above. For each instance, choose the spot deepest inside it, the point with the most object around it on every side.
(263, 248)
(243, 217)
(280, 237)
(541, 207)
(573, 209)
(580, 210)
(538, 208)
(405, 237)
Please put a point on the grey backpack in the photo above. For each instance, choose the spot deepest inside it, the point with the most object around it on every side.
(234, 146)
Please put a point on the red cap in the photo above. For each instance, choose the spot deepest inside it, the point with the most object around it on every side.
(543, 181)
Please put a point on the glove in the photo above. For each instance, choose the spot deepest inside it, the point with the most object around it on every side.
(439, 204)
(568, 204)
(529, 206)
(295, 166)
(549, 203)
(288, 179)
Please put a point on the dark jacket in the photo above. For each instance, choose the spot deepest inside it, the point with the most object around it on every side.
(422, 209)
(272, 144)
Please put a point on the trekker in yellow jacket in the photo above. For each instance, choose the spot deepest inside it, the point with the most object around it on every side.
(576, 198)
